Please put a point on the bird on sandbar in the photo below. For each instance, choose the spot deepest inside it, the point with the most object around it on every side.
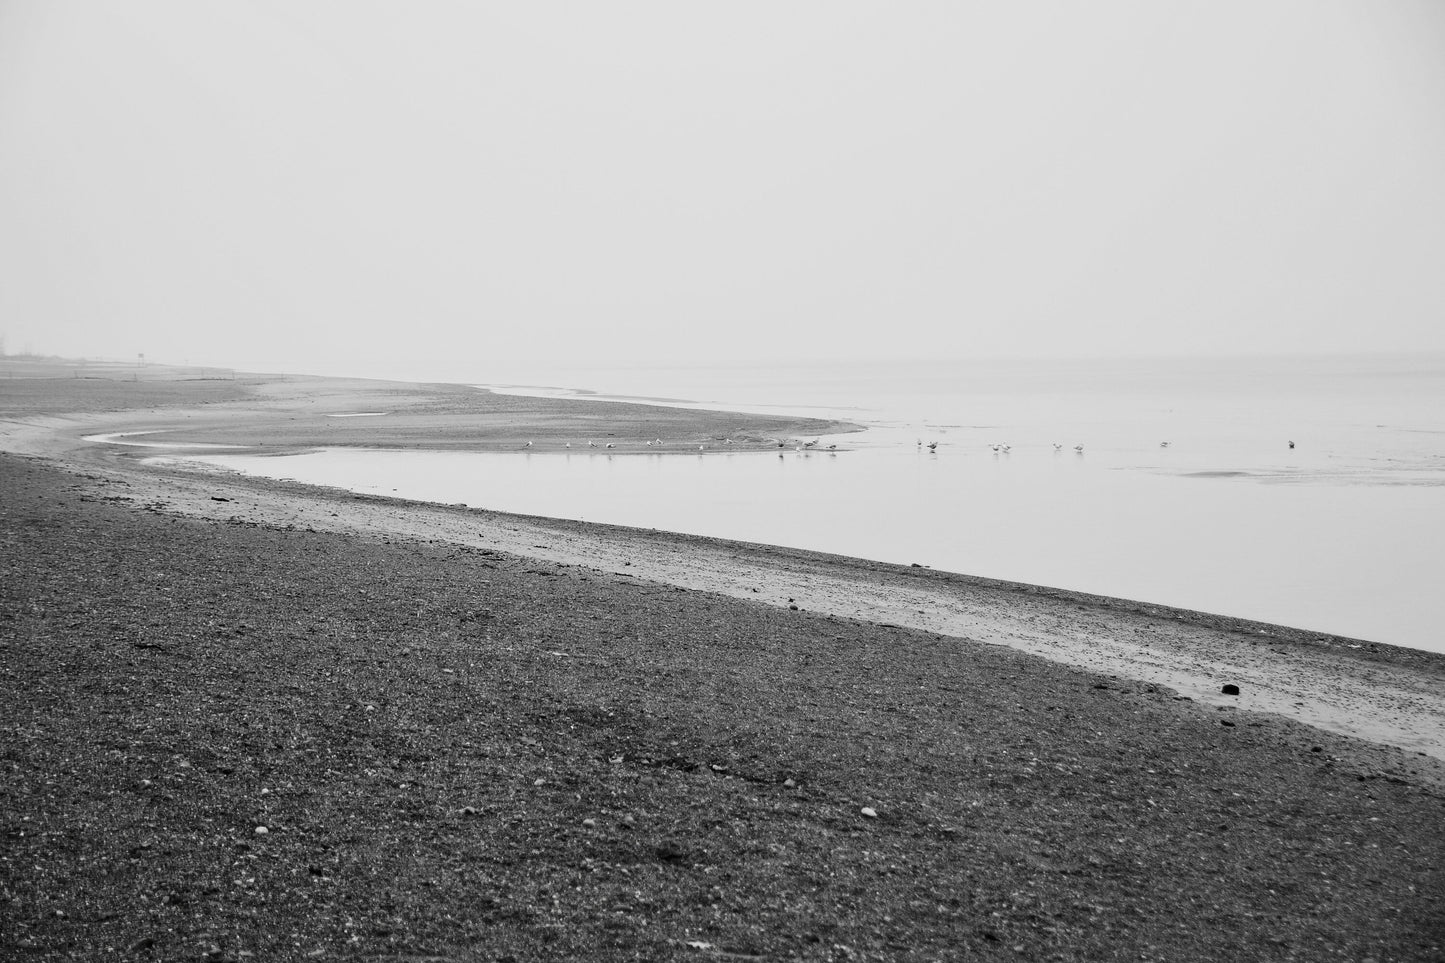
(1079, 449)
(527, 445)
(611, 445)
(1291, 444)
(1058, 447)
(567, 445)
(592, 444)
(1164, 444)
(933, 446)
(832, 447)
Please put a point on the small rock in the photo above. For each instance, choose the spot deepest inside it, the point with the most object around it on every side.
(144, 943)
(790, 783)
(1230, 689)
(590, 823)
(869, 812)
(539, 782)
(628, 821)
(261, 830)
(1226, 722)
(469, 810)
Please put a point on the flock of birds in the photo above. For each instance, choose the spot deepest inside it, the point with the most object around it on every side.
(998, 449)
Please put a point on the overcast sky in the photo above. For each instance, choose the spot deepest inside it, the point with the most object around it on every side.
(376, 187)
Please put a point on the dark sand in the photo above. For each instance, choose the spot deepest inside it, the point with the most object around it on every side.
(474, 750)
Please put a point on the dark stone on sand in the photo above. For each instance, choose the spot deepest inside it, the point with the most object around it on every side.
(1230, 689)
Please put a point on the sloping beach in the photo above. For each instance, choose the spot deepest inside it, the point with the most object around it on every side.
(473, 736)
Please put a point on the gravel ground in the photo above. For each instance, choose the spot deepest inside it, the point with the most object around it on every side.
(459, 754)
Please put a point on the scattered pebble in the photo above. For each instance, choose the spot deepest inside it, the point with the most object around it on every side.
(1230, 689)
(261, 830)
(790, 783)
(590, 823)
(869, 812)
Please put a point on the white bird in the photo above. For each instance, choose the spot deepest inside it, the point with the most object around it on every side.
(995, 448)
(832, 447)
(568, 445)
(727, 441)
(933, 446)
(1058, 447)
(1006, 448)
(611, 445)
(648, 444)
(527, 445)
(701, 447)
(1164, 444)
(592, 444)
(1079, 449)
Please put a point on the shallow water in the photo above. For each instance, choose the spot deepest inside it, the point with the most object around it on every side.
(1345, 533)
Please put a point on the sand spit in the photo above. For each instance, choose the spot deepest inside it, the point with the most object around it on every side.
(1376, 692)
(249, 720)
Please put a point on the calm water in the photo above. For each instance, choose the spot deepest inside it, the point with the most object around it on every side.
(1345, 533)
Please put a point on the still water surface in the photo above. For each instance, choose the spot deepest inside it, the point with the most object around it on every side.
(1345, 533)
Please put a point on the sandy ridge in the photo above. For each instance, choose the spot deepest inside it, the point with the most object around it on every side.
(1325, 684)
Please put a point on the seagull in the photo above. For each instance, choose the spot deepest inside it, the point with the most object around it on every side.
(1164, 444)
(592, 444)
(933, 446)
(527, 445)
(648, 444)
(568, 445)
(1079, 449)
(832, 447)
(1058, 447)
(1006, 448)
(611, 445)
(811, 443)
(780, 444)
(701, 447)
(1291, 444)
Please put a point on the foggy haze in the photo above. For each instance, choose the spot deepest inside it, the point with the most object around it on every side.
(391, 189)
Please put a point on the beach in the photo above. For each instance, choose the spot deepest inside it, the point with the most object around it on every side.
(474, 736)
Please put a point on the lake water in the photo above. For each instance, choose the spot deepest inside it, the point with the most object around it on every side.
(1344, 533)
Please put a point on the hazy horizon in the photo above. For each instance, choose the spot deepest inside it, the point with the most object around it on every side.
(371, 189)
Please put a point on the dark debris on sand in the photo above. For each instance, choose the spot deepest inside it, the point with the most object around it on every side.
(458, 755)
